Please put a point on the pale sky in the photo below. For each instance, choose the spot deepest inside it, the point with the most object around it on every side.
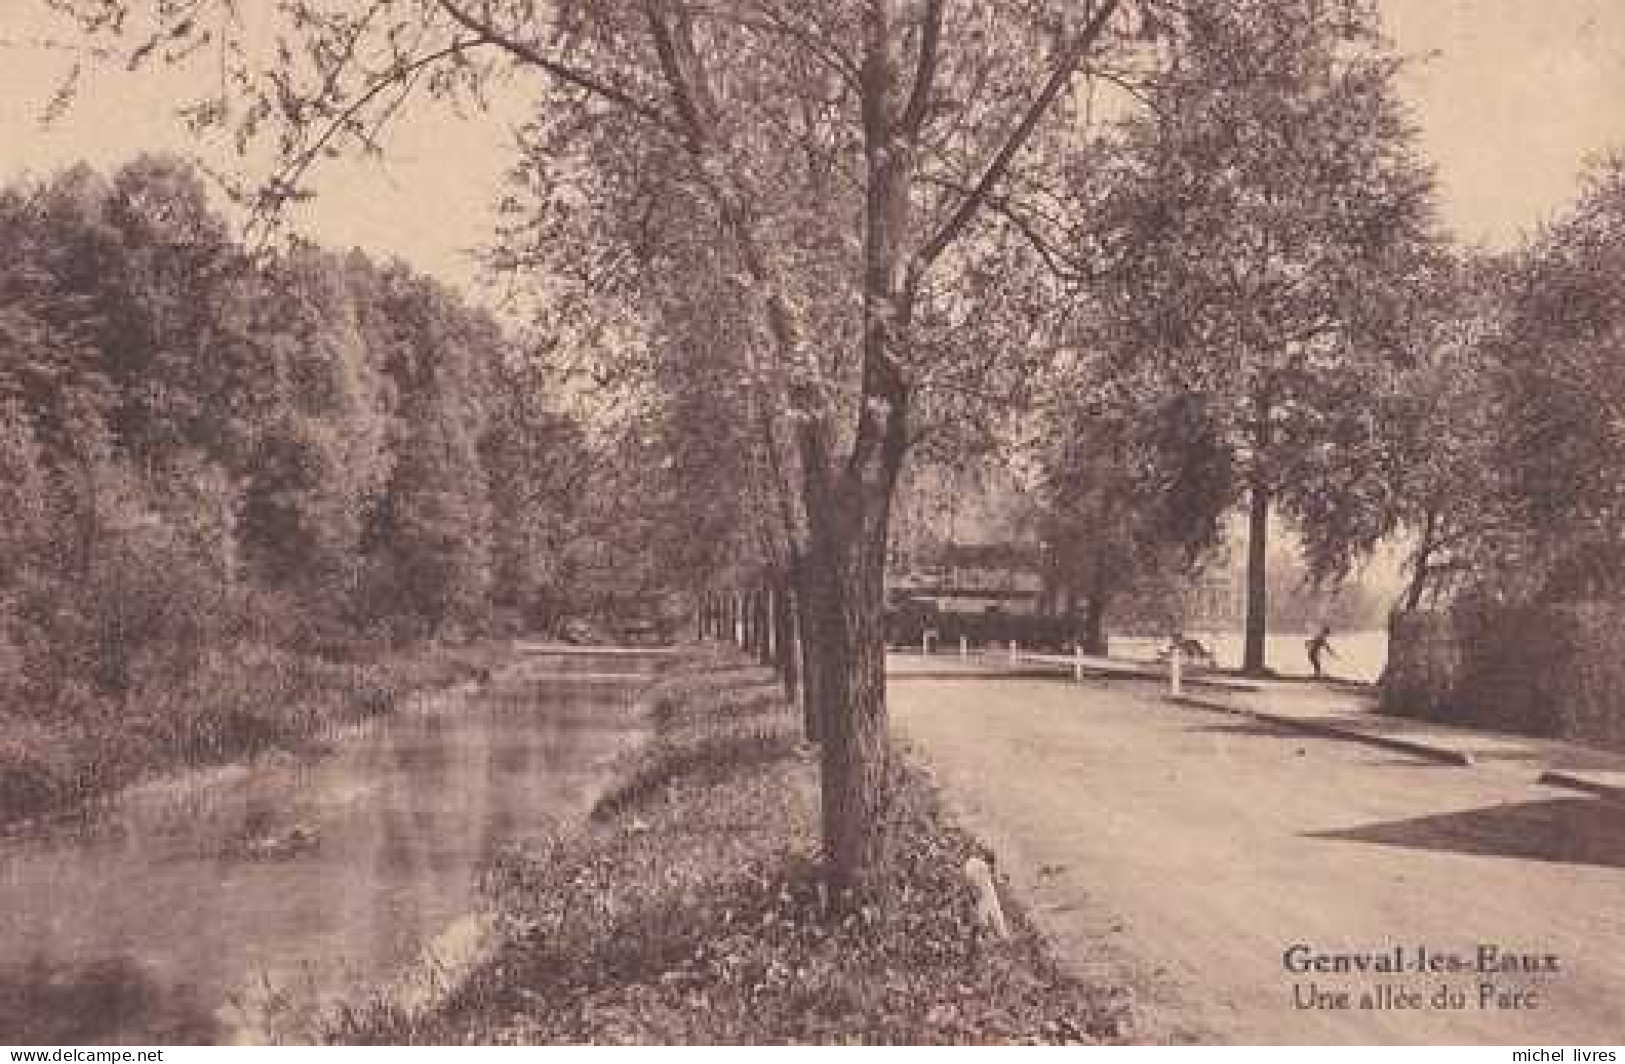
(1518, 94)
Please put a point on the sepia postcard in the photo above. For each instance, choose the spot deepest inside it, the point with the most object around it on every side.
(812, 522)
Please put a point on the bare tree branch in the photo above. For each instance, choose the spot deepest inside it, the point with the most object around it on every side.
(925, 70)
(1066, 65)
(671, 66)
(1065, 266)
(288, 176)
(528, 53)
(768, 19)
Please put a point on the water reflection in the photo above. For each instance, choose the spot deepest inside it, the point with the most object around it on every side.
(109, 1000)
(239, 903)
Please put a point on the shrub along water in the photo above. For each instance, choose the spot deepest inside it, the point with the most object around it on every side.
(237, 704)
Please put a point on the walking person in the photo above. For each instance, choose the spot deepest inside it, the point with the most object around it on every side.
(1320, 644)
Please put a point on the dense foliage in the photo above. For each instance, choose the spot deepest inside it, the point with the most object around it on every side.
(1248, 247)
(211, 460)
(1501, 457)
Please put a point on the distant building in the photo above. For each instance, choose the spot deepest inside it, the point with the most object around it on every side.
(971, 578)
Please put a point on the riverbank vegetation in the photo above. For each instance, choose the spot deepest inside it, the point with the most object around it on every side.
(237, 489)
(237, 704)
(692, 911)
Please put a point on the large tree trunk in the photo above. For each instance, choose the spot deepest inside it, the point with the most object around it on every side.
(848, 567)
(1258, 526)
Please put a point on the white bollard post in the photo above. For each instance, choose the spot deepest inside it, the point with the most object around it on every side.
(964, 648)
(1077, 662)
(1012, 650)
(989, 914)
(925, 643)
(1174, 672)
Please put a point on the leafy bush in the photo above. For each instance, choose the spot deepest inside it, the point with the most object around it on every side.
(1539, 668)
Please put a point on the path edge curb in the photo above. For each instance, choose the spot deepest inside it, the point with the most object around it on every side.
(1578, 782)
(1441, 754)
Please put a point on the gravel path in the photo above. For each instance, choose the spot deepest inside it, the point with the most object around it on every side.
(1184, 853)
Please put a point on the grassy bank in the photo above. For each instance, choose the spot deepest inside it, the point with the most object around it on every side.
(234, 705)
(690, 911)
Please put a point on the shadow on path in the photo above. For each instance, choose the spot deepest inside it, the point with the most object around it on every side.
(1260, 729)
(1581, 831)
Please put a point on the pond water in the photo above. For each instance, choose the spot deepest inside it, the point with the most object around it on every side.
(237, 904)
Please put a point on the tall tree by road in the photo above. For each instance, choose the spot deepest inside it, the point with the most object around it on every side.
(1269, 222)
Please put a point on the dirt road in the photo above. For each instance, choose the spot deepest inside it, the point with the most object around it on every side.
(1242, 880)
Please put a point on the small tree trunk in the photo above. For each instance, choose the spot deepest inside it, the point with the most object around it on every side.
(764, 625)
(784, 643)
(763, 606)
(1097, 595)
(1257, 626)
(809, 645)
(1420, 562)
(1094, 624)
